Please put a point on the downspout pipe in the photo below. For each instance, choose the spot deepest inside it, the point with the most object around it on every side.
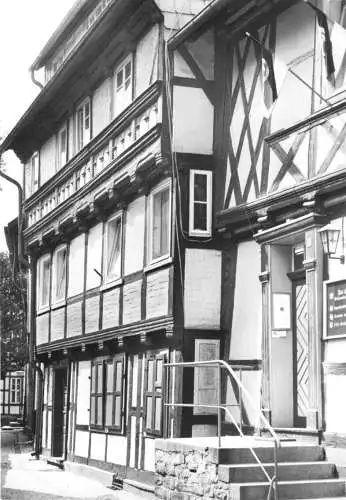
(21, 259)
(34, 80)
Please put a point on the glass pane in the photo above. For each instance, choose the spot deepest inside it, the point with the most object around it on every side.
(200, 216)
(117, 416)
(149, 412)
(150, 375)
(45, 282)
(60, 274)
(18, 384)
(13, 383)
(92, 411)
(159, 366)
(119, 376)
(127, 70)
(99, 378)
(110, 372)
(109, 409)
(86, 116)
(158, 412)
(113, 248)
(200, 187)
(99, 411)
(93, 378)
(164, 222)
(119, 78)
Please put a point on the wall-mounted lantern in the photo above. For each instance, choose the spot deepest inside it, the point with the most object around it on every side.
(330, 237)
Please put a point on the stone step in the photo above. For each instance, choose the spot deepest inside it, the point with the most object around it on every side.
(249, 473)
(324, 488)
(292, 453)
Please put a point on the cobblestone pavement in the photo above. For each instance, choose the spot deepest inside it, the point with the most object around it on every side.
(25, 478)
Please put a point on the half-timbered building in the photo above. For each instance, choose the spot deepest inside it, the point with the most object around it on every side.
(99, 233)
(274, 172)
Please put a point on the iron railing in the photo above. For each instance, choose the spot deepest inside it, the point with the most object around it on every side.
(221, 364)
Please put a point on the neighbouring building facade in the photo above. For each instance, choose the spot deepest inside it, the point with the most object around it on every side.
(12, 396)
(278, 174)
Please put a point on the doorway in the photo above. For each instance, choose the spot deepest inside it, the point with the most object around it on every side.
(300, 352)
(59, 412)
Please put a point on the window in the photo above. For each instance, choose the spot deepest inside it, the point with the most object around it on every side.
(59, 274)
(159, 223)
(16, 390)
(43, 292)
(35, 168)
(106, 402)
(83, 121)
(154, 395)
(113, 249)
(62, 147)
(200, 212)
(123, 85)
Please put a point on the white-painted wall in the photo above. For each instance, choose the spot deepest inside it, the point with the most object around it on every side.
(193, 121)
(83, 393)
(117, 449)
(47, 160)
(94, 254)
(202, 289)
(81, 447)
(76, 265)
(134, 236)
(101, 106)
(146, 61)
(98, 446)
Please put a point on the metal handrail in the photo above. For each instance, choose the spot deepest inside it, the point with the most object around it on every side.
(242, 389)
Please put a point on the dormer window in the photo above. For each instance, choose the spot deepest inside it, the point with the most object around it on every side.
(83, 121)
(123, 85)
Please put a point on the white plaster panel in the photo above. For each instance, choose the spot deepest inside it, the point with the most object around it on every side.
(98, 446)
(81, 447)
(92, 313)
(146, 61)
(76, 265)
(83, 393)
(94, 257)
(192, 130)
(110, 316)
(202, 289)
(134, 236)
(49, 430)
(42, 327)
(246, 325)
(132, 302)
(101, 106)
(57, 324)
(157, 293)
(335, 403)
(117, 449)
(133, 442)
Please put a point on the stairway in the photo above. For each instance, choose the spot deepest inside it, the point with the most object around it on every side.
(303, 473)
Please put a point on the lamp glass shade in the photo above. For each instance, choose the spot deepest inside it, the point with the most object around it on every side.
(330, 238)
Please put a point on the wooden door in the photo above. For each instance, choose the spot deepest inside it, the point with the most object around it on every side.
(300, 352)
(135, 411)
(60, 398)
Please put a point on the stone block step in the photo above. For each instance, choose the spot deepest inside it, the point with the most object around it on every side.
(292, 453)
(325, 488)
(288, 471)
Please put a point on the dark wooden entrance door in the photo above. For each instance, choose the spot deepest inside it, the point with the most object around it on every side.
(59, 412)
(300, 352)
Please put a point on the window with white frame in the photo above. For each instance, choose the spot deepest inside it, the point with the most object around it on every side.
(83, 123)
(123, 76)
(62, 147)
(159, 222)
(35, 168)
(113, 246)
(43, 283)
(59, 274)
(16, 390)
(200, 209)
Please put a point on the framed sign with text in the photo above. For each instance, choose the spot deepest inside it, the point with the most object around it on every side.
(335, 309)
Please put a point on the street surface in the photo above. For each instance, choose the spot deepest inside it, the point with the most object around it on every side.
(25, 478)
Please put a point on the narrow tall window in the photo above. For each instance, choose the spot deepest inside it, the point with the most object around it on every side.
(62, 146)
(35, 166)
(16, 388)
(159, 223)
(154, 395)
(123, 85)
(44, 269)
(59, 274)
(200, 212)
(113, 249)
(83, 124)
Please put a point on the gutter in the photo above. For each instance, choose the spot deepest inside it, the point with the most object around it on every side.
(21, 260)
(210, 11)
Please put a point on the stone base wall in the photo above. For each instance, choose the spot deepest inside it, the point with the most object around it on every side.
(185, 472)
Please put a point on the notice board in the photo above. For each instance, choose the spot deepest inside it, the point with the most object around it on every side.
(335, 308)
